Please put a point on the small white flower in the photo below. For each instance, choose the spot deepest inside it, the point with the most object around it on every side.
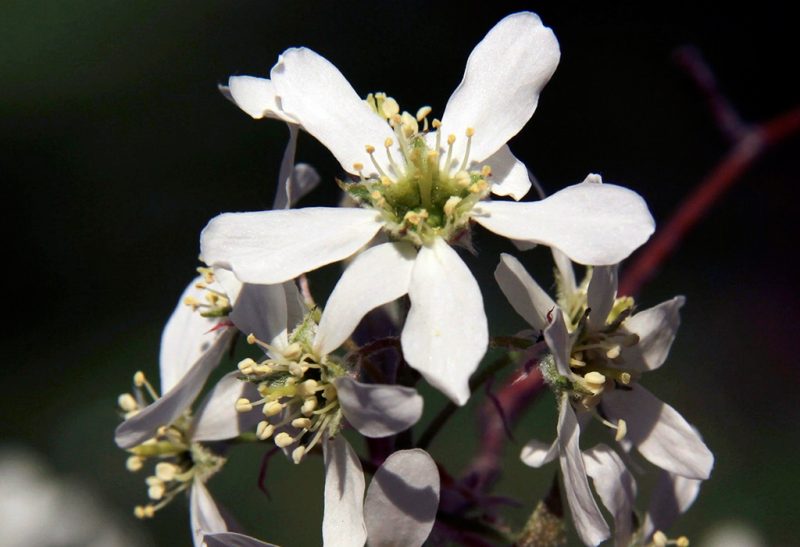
(304, 390)
(599, 349)
(423, 189)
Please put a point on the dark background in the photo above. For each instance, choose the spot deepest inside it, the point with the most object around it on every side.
(116, 148)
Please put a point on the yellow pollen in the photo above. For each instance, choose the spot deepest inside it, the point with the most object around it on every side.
(134, 463)
(486, 171)
(470, 131)
(283, 439)
(243, 405)
(451, 138)
(251, 338)
(191, 301)
(127, 403)
(358, 166)
(272, 408)
(138, 379)
(613, 352)
(298, 453)
(264, 430)
(659, 539)
(390, 107)
(682, 541)
(388, 142)
(166, 471)
(309, 406)
(462, 178)
(595, 378)
(301, 423)
(436, 124)
(386, 181)
(370, 149)
(622, 430)
(423, 112)
(625, 378)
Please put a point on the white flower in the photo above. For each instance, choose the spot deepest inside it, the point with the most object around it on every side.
(191, 347)
(305, 390)
(423, 191)
(599, 350)
(399, 509)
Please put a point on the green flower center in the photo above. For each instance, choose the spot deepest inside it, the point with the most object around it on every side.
(424, 194)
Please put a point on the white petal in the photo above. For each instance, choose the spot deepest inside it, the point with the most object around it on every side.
(275, 246)
(565, 271)
(616, 487)
(445, 335)
(296, 308)
(229, 284)
(377, 276)
(281, 200)
(343, 518)
(217, 419)
(505, 74)
(165, 410)
(509, 175)
(261, 310)
(232, 539)
(256, 96)
(525, 295)
(600, 295)
(378, 410)
(186, 336)
(313, 91)
(672, 496)
(402, 500)
(204, 515)
(589, 522)
(536, 453)
(559, 342)
(656, 328)
(660, 434)
(598, 224)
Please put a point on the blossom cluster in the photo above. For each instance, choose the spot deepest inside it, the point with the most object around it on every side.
(407, 308)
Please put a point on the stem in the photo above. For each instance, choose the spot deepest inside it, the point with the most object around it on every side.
(730, 170)
(450, 408)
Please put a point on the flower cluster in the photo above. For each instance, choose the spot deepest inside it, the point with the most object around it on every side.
(418, 185)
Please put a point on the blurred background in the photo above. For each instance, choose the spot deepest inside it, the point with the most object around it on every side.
(116, 148)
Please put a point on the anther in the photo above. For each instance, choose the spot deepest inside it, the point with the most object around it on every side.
(243, 405)
(659, 539)
(309, 406)
(451, 139)
(307, 388)
(298, 453)
(139, 379)
(156, 491)
(264, 430)
(390, 107)
(301, 423)
(436, 124)
(166, 471)
(682, 541)
(470, 131)
(451, 204)
(462, 178)
(622, 430)
(134, 463)
(283, 439)
(370, 149)
(127, 403)
(192, 302)
(272, 408)
(358, 166)
(595, 378)
(613, 351)
(251, 338)
(247, 366)
(423, 112)
(388, 142)
(625, 378)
